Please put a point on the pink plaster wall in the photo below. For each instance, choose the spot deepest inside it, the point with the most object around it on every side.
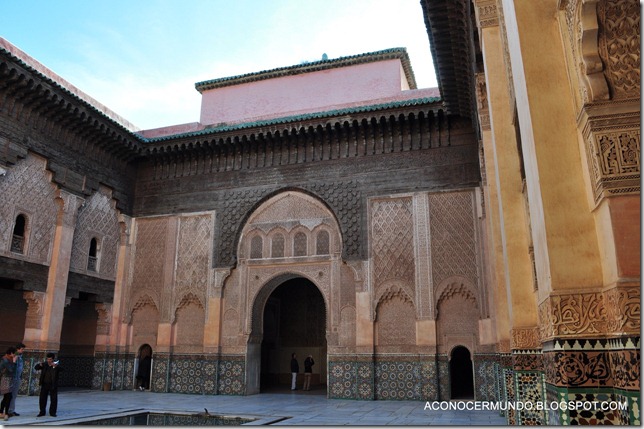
(303, 93)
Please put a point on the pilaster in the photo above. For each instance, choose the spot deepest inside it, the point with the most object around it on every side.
(54, 300)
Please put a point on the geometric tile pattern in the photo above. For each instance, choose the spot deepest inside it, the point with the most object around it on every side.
(510, 394)
(444, 388)
(115, 369)
(553, 395)
(196, 374)
(397, 381)
(530, 388)
(592, 417)
(401, 379)
(78, 371)
(231, 376)
(190, 374)
(485, 380)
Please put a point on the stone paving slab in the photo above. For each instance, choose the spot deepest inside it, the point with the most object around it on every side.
(284, 409)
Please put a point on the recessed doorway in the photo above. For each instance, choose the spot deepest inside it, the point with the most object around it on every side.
(461, 374)
(294, 321)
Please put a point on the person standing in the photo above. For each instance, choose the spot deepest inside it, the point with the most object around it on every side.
(308, 370)
(17, 379)
(48, 384)
(7, 370)
(295, 368)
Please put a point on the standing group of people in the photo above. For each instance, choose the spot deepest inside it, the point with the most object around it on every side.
(308, 370)
(11, 368)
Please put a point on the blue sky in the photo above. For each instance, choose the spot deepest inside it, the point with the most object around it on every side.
(141, 58)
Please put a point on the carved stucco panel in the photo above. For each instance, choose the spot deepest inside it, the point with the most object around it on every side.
(104, 320)
(27, 189)
(619, 46)
(97, 218)
(148, 261)
(613, 153)
(623, 306)
(193, 257)
(525, 338)
(453, 236)
(572, 315)
(35, 307)
(486, 13)
(582, 28)
(395, 319)
(319, 274)
(482, 104)
(392, 244)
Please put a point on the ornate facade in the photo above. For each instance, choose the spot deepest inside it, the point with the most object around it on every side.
(396, 234)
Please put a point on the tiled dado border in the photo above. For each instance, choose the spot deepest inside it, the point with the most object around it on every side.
(594, 370)
(175, 373)
(593, 363)
(389, 377)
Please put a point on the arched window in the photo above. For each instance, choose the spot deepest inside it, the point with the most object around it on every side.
(18, 238)
(92, 260)
(299, 244)
(277, 246)
(322, 243)
(256, 247)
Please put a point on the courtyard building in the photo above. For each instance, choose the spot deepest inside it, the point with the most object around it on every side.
(479, 240)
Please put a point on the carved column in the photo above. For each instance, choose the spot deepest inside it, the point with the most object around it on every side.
(54, 302)
(519, 370)
(591, 335)
(117, 332)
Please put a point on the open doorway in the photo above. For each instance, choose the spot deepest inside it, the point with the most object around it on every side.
(461, 374)
(144, 368)
(294, 321)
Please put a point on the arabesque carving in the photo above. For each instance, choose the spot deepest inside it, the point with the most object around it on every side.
(104, 321)
(486, 13)
(619, 46)
(613, 151)
(35, 305)
(623, 310)
(525, 338)
(574, 315)
(583, 28)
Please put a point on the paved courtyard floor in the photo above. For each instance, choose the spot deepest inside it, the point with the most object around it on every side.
(298, 408)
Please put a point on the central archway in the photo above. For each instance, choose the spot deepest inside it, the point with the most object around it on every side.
(292, 311)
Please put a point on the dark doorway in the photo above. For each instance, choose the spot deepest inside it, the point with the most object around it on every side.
(144, 368)
(294, 321)
(461, 374)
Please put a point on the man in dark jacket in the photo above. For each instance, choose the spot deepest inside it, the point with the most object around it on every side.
(48, 384)
(295, 368)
